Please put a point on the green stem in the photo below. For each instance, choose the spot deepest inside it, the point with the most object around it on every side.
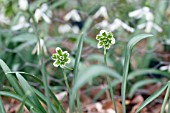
(66, 81)
(168, 106)
(78, 103)
(165, 99)
(109, 84)
(43, 70)
(2, 109)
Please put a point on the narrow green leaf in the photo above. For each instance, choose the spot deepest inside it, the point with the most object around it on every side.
(165, 99)
(140, 84)
(12, 80)
(31, 94)
(144, 72)
(129, 48)
(151, 98)
(19, 98)
(2, 109)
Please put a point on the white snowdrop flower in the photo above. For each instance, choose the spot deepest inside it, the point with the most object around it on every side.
(165, 68)
(38, 46)
(149, 17)
(101, 12)
(148, 27)
(61, 95)
(42, 13)
(139, 13)
(74, 15)
(23, 4)
(118, 23)
(22, 23)
(103, 24)
(3, 18)
(64, 28)
(75, 29)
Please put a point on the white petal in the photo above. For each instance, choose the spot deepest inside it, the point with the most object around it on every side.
(46, 18)
(159, 29)
(102, 31)
(163, 68)
(68, 61)
(101, 12)
(103, 24)
(23, 4)
(149, 26)
(55, 64)
(113, 41)
(75, 29)
(64, 28)
(58, 48)
(74, 15)
(98, 46)
(115, 25)
(37, 15)
(44, 7)
(128, 28)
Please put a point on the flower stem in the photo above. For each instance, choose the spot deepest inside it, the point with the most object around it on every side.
(66, 81)
(109, 83)
(43, 69)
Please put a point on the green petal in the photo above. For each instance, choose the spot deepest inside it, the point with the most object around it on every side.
(54, 56)
(59, 51)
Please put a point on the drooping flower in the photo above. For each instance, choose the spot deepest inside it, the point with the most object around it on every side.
(102, 12)
(44, 13)
(149, 17)
(38, 46)
(72, 15)
(105, 39)
(60, 57)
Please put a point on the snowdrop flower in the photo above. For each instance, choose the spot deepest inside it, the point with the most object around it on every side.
(105, 39)
(118, 23)
(149, 17)
(43, 13)
(23, 4)
(74, 15)
(3, 18)
(21, 24)
(101, 12)
(60, 57)
(38, 46)
(164, 68)
(139, 13)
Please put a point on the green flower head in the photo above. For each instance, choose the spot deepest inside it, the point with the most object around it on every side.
(105, 39)
(60, 57)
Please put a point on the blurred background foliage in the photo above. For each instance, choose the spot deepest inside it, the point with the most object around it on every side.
(17, 46)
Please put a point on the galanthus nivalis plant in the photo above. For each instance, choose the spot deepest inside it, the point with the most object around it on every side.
(61, 58)
(105, 39)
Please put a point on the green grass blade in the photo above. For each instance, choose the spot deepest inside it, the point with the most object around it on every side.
(129, 48)
(31, 94)
(76, 67)
(12, 80)
(2, 109)
(19, 98)
(151, 98)
(142, 72)
(140, 84)
(165, 99)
